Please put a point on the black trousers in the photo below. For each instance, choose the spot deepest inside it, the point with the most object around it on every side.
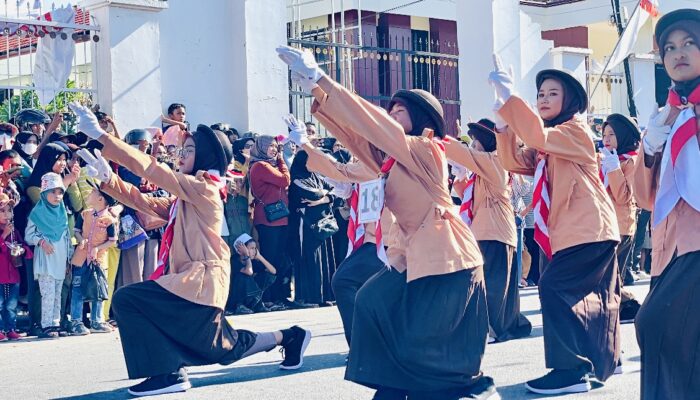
(643, 218)
(534, 249)
(272, 244)
(351, 275)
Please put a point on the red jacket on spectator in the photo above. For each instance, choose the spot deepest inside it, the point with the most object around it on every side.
(268, 185)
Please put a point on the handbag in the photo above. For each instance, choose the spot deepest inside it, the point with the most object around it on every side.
(273, 211)
(130, 233)
(323, 227)
(93, 283)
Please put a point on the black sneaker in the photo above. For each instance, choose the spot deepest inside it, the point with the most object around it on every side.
(48, 333)
(294, 349)
(482, 389)
(628, 311)
(260, 308)
(34, 330)
(242, 310)
(162, 384)
(618, 369)
(559, 381)
(298, 305)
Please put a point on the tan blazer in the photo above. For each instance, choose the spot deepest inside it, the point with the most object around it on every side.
(431, 238)
(494, 218)
(94, 229)
(679, 233)
(581, 211)
(620, 191)
(353, 172)
(199, 257)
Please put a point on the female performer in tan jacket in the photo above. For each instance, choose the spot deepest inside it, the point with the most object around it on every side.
(177, 320)
(420, 326)
(575, 225)
(667, 182)
(487, 209)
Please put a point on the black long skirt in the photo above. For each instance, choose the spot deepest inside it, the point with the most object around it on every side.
(312, 280)
(580, 298)
(161, 332)
(426, 335)
(502, 296)
(668, 332)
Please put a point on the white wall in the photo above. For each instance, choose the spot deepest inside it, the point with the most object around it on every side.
(220, 61)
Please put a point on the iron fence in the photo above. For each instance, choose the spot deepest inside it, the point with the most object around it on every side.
(379, 65)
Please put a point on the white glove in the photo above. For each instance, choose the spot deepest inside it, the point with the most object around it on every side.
(501, 124)
(657, 130)
(297, 132)
(501, 80)
(97, 166)
(302, 62)
(610, 160)
(306, 85)
(459, 171)
(88, 123)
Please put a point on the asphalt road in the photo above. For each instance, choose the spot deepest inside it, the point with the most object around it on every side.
(92, 367)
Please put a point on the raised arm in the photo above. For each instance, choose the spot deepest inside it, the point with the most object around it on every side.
(514, 158)
(351, 173)
(185, 187)
(570, 140)
(132, 197)
(486, 165)
(359, 118)
(645, 179)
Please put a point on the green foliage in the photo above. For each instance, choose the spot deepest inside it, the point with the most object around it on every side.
(29, 99)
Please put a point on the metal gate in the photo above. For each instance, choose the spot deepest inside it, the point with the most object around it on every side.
(23, 24)
(382, 65)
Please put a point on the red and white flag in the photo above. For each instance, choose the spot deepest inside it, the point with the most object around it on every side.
(644, 10)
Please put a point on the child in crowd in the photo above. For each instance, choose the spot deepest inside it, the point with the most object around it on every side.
(95, 231)
(47, 229)
(236, 209)
(251, 275)
(10, 240)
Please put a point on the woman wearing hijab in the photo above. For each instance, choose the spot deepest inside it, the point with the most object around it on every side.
(269, 179)
(241, 154)
(309, 195)
(621, 139)
(177, 319)
(26, 144)
(666, 182)
(579, 289)
(340, 209)
(402, 345)
(486, 208)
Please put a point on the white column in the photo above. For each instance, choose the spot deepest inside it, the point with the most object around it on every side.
(258, 77)
(484, 28)
(127, 68)
(642, 68)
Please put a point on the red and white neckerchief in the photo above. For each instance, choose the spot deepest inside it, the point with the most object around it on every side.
(167, 239)
(680, 160)
(540, 199)
(604, 174)
(381, 252)
(356, 230)
(466, 210)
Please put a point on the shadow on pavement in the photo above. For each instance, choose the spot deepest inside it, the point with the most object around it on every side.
(233, 374)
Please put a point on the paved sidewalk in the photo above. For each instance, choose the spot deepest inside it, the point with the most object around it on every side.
(92, 367)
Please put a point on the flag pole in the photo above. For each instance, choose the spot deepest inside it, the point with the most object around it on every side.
(605, 68)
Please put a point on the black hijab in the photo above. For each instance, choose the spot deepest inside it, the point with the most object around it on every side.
(343, 156)
(575, 97)
(424, 110)
(212, 150)
(238, 146)
(626, 132)
(22, 139)
(44, 164)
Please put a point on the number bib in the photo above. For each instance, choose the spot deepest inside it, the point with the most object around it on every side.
(371, 201)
